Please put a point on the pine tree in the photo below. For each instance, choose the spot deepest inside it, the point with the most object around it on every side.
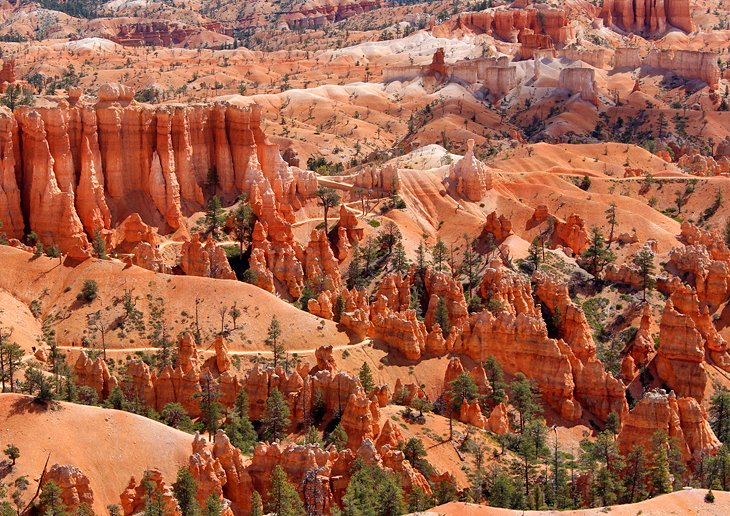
(366, 378)
(612, 221)
(328, 198)
(533, 254)
(720, 415)
(495, 375)
(461, 389)
(239, 428)
(213, 506)
(51, 500)
(283, 499)
(635, 475)
(421, 260)
(439, 255)
(338, 437)
(257, 507)
(210, 407)
(399, 260)
(185, 490)
(502, 491)
(525, 399)
(243, 218)
(99, 245)
(659, 479)
(272, 340)
(644, 260)
(597, 254)
(441, 317)
(275, 421)
(215, 217)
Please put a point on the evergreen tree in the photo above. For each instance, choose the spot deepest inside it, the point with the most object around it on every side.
(283, 499)
(533, 254)
(598, 255)
(612, 222)
(470, 263)
(338, 308)
(213, 506)
(210, 407)
(439, 255)
(239, 428)
(373, 491)
(12, 452)
(338, 437)
(461, 389)
(366, 378)
(275, 421)
(495, 375)
(328, 198)
(257, 506)
(421, 260)
(525, 398)
(175, 415)
(644, 260)
(215, 217)
(441, 317)
(415, 453)
(502, 491)
(99, 245)
(273, 341)
(635, 475)
(399, 260)
(659, 475)
(51, 501)
(185, 490)
(601, 459)
(720, 415)
(243, 218)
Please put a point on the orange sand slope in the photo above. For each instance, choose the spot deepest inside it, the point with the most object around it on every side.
(690, 501)
(56, 286)
(109, 446)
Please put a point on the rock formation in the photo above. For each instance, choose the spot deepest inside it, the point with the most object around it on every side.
(648, 17)
(470, 177)
(74, 485)
(680, 418)
(680, 358)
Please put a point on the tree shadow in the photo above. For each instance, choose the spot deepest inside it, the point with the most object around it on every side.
(29, 405)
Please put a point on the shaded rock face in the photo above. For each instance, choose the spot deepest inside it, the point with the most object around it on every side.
(681, 418)
(73, 169)
(648, 17)
(581, 81)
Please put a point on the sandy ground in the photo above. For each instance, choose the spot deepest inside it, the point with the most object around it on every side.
(109, 446)
(686, 502)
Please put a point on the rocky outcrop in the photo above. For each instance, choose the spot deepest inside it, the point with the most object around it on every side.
(207, 260)
(499, 420)
(680, 358)
(580, 81)
(470, 177)
(689, 64)
(648, 17)
(517, 337)
(596, 389)
(500, 227)
(79, 168)
(680, 418)
(94, 374)
(572, 234)
(74, 484)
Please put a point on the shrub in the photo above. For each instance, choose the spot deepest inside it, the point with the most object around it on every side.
(89, 291)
